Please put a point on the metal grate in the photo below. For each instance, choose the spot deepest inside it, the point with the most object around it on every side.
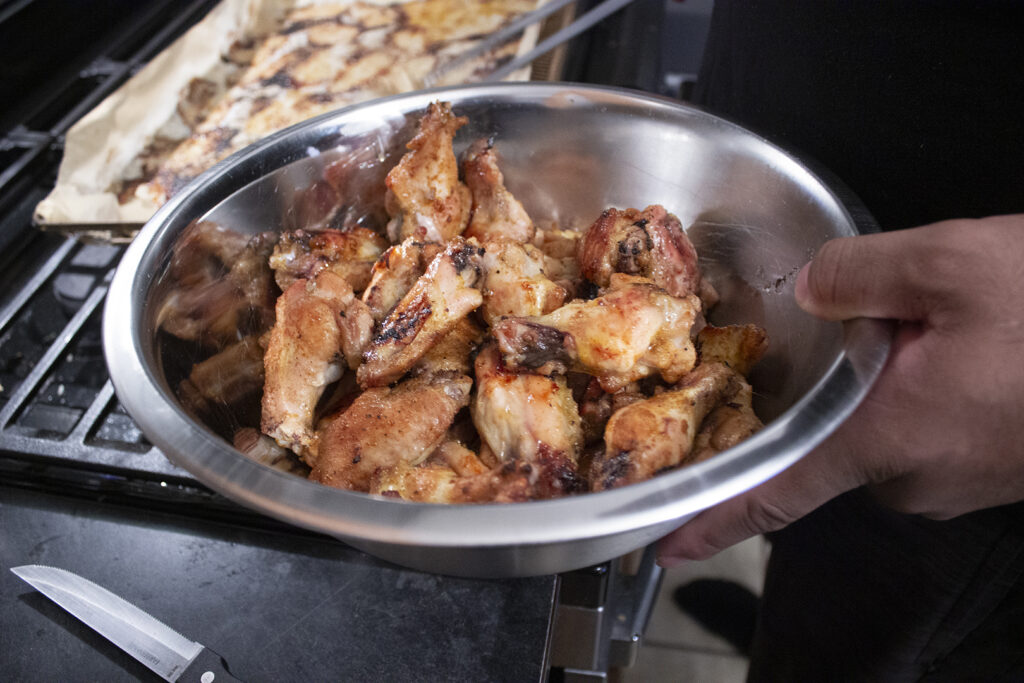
(57, 405)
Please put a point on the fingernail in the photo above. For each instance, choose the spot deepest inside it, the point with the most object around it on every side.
(801, 291)
(667, 562)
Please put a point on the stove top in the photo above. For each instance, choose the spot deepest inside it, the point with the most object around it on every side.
(82, 488)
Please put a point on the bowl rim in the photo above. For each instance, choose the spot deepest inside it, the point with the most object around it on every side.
(346, 514)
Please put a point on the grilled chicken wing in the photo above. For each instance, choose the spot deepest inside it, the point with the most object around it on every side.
(425, 197)
(225, 378)
(596, 407)
(519, 415)
(386, 426)
(395, 272)
(320, 326)
(222, 286)
(649, 436)
(301, 255)
(514, 282)
(730, 423)
(738, 346)
(431, 309)
(453, 352)
(634, 330)
(650, 243)
(511, 482)
(453, 454)
(496, 213)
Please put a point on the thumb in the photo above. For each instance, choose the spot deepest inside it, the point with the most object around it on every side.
(869, 276)
(793, 493)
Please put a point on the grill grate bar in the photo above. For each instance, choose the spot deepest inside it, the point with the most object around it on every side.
(92, 414)
(25, 294)
(32, 150)
(52, 355)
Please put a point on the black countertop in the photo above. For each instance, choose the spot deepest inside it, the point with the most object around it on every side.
(278, 606)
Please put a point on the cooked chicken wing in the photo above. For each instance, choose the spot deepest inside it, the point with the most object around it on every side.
(431, 309)
(395, 272)
(386, 426)
(596, 407)
(649, 436)
(265, 451)
(650, 243)
(303, 254)
(453, 352)
(730, 423)
(521, 414)
(425, 197)
(738, 346)
(225, 378)
(453, 454)
(514, 282)
(320, 328)
(496, 213)
(222, 288)
(560, 264)
(634, 330)
(512, 482)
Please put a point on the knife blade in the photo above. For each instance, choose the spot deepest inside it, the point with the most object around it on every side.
(168, 653)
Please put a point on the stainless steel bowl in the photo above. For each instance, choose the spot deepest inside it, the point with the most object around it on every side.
(755, 214)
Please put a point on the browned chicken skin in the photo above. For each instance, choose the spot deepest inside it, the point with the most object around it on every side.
(650, 243)
(727, 425)
(454, 351)
(395, 272)
(634, 330)
(496, 213)
(321, 327)
(514, 282)
(225, 378)
(519, 414)
(223, 287)
(434, 305)
(303, 254)
(649, 436)
(738, 346)
(387, 426)
(512, 482)
(425, 198)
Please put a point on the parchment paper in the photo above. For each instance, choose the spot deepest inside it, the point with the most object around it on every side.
(157, 107)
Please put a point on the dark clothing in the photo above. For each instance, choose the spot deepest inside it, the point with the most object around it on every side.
(919, 108)
(858, 592)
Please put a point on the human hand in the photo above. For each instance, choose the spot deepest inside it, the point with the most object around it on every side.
(941, 433)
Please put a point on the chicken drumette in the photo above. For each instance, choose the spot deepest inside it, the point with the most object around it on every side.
(657, 434)
(425, 197)
(321, 327)
(496, 213)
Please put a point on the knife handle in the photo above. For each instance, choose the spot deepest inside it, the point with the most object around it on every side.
(207, 667)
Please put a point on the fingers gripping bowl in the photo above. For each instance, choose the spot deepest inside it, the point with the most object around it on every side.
(754, 214)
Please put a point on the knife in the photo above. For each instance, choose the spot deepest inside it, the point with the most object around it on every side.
(152, 642)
